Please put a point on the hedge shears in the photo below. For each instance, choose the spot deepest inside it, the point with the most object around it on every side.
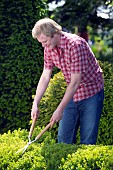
(30, 134)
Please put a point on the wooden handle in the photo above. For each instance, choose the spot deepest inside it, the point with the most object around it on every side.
(32, 127)
(43, 131)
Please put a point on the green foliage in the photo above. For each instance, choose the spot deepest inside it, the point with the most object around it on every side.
(46, 154)
(99, 157)
(10, 143)
(21, 61)
(55, 93)
(102, 50)
(106, 123)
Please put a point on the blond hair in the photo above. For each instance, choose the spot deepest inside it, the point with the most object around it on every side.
(46, 26)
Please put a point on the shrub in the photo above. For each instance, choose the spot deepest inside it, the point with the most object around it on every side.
(105, 135)
(21, 61)
(103, 49)
(46, 154)
(10, 143)
(91, 157)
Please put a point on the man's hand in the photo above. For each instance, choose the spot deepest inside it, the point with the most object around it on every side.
(35, 111)
(56, 117)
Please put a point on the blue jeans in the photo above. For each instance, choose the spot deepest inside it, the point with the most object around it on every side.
(86, 114)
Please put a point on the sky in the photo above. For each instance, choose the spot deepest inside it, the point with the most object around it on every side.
(104, 13)
(53, 5)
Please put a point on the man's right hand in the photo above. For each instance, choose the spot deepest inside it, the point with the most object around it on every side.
(35, 111)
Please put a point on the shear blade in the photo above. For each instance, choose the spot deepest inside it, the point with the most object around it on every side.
(25, 148)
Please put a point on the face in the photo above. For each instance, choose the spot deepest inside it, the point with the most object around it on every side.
(48, 41)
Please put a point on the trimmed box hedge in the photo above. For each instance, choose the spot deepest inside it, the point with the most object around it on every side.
(46, 154)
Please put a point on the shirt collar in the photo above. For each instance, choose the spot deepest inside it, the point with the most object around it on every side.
(62, 42)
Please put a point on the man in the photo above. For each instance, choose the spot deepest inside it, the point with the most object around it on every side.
(82, 102)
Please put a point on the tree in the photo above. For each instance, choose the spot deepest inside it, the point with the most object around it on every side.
(82, 13)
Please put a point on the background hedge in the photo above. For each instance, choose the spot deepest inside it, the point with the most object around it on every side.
(105, 135)
(21, 60)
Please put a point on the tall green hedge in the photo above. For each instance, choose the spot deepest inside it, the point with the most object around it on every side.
(21, 60)
(54, 95)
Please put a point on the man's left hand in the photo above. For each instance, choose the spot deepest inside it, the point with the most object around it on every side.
(56, 117)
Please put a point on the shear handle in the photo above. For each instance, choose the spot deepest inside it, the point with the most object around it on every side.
(43, 131)
(32, 127)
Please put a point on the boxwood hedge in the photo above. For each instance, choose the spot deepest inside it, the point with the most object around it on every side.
(47, 154)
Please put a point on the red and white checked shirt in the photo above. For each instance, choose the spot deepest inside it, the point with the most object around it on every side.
(75, 56)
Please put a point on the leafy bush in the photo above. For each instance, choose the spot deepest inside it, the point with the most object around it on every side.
(102, 49)
(46, 154)
(91, 157)
(21, 61)
(105, 135)
(55, 93)
(11, 143)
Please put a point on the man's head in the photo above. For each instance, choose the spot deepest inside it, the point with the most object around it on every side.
(46, 31)
(47, 27)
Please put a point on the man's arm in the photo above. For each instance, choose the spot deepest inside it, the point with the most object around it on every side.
(41, 88)
(70, 91)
